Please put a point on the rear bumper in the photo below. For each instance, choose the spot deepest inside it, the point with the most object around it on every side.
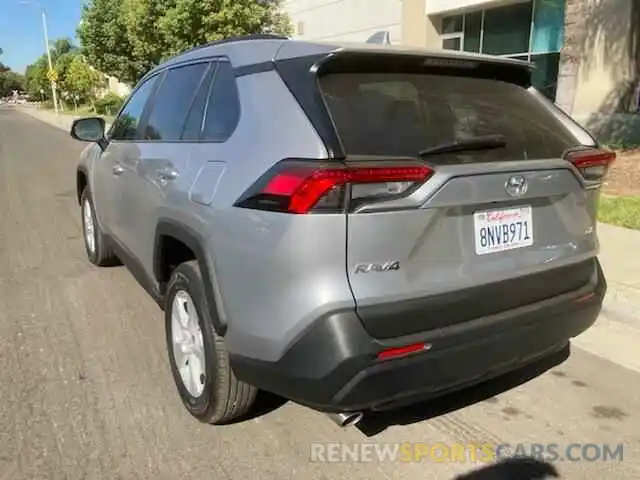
(333, 367)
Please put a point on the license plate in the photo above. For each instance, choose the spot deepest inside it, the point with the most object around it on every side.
(502, 230)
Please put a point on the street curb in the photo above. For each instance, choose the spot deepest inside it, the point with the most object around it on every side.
(63, 122)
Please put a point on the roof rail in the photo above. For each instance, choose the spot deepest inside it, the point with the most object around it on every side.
(241, 38)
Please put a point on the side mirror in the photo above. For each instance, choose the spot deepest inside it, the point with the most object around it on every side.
(90, 129)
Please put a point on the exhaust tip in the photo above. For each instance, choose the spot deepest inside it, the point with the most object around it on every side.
(344, 420)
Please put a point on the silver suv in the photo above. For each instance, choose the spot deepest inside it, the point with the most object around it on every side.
(351, 227)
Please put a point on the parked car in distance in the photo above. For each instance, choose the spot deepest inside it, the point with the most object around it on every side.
(352, 227)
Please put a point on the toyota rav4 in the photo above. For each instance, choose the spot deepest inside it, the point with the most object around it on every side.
(352, 227)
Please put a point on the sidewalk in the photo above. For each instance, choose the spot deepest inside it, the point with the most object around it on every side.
(620, 257)
(619, 249)
(62, 121)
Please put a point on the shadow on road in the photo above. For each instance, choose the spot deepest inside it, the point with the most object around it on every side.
(266, 402)
(376, 422)
(514, 469)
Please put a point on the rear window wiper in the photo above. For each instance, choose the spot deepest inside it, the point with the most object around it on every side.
(484, 142)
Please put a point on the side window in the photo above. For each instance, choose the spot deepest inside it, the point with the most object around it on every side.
(126, 125)
(223, 110)
(172, 102)
(195, 119)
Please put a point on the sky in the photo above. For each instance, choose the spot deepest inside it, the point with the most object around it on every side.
(21, 36)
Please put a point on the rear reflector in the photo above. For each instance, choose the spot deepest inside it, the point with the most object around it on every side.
(585, 298)
(592, 163)
(301, 187)
(403, 351)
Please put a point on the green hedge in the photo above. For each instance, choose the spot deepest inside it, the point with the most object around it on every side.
(109, 104)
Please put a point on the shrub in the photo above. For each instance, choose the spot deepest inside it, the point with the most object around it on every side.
(109, 104)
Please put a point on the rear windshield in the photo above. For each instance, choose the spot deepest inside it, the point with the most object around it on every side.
(394, 114)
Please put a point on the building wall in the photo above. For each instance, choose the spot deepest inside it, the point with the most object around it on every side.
(117, 87)
(435, 7)
(347, 20)
(606, 69)
(607, 87)
(419, 29)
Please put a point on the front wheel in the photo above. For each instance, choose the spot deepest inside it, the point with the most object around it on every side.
(95, 242)
(199, 360)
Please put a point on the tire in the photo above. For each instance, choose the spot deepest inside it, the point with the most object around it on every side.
(98, 251)
(219, 397)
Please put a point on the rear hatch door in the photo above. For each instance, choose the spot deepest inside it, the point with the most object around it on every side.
(501, 221)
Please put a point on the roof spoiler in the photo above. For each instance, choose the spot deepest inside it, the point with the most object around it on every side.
(380, 38)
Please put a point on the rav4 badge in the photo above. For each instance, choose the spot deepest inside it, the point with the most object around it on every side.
(377, 267)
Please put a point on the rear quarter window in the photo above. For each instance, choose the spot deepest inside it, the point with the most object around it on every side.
(400, 114)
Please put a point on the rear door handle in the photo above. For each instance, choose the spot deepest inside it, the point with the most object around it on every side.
(118, 169)
(168, 174)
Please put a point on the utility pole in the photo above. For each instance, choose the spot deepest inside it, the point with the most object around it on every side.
(46, 42)
(51, 72)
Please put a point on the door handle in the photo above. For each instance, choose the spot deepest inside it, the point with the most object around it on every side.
(118, 169)
(167, 174)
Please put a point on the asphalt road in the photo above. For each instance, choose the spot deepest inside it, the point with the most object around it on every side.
(86, 391)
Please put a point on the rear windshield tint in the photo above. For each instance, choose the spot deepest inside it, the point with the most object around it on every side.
(394, 114)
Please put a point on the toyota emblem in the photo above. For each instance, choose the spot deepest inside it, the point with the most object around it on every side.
(516, 186)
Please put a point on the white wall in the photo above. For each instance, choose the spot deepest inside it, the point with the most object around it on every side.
(347, 20)
(435, 7)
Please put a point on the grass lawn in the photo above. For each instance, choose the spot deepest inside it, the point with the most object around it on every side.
(622, 211)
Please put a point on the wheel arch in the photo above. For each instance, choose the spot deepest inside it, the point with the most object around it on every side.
(168, 231)
(82, 181)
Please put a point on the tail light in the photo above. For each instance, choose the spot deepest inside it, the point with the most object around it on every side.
(593, 163)
(300, 187)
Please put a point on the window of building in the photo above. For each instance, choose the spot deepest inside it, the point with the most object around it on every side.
(472, 32)
(507, 29)
(548, 26)
(452, 43)
(452, 36)
(531, 31)
(452, 24)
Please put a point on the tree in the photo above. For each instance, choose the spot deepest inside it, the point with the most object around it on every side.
(105, 42)
(9, 81)
(62, 46)
(61, 66)
(193, 22)
(3, 67)
(125, 38)
(81, 80)
(38, 85)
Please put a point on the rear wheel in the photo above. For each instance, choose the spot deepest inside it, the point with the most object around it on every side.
(95, 242)
(199, 360)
